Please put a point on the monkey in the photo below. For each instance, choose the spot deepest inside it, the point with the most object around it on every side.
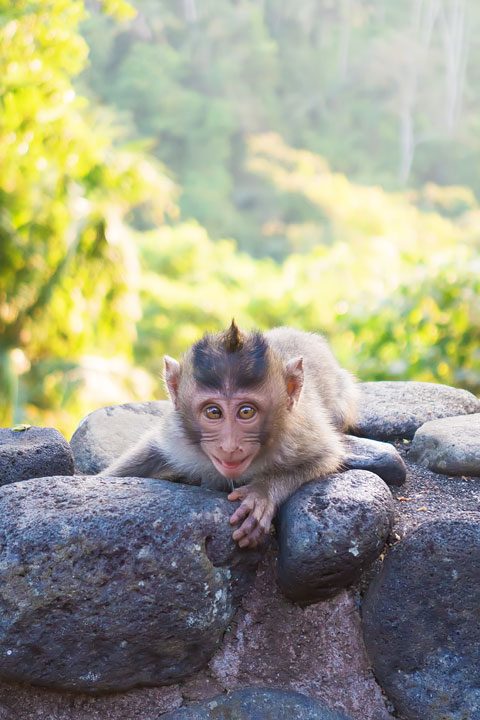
(255, 413)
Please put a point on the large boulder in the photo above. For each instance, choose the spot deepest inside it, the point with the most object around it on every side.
(316, 650)
(390, 409)
(450, 446)
(257, 704)
(329, 531)
(33, 452)
(106, 433)
(111, 583)
(420, 619)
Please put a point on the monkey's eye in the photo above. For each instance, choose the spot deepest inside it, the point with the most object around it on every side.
(246, 412)
(212, 412)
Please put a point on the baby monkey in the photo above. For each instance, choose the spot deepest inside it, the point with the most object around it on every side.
(257, 413)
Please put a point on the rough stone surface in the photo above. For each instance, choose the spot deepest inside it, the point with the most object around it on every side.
(33, 453)
(111, 583)
(270, 642)
(106, 433)
(316, 650)
(391, 410)
(329, 530)
(258, 704)
(421, 624)
(26, 702)
(450, 445)
(381, 458)
(427, 496)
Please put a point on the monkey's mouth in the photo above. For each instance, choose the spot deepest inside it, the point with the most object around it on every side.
(231, 468)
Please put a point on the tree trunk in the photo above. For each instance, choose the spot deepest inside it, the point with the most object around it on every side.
(455, 41)
(190, 10)
(345, 34)
(423, 18)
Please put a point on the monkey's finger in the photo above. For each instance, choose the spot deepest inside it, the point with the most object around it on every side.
(239, 515)
(242, 511)
(265, 521)
(248, 526)
(244, 529)
(244, 542)
(255, 538)
(259, 510)
(237, 494)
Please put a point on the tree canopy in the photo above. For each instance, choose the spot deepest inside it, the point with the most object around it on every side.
(387, 92)
(67, 265)
(167, 166)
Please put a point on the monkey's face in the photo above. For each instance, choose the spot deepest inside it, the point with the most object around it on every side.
(232, 429)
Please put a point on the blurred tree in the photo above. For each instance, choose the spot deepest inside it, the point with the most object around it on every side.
(186, 82)
(428, 329)
(66, 259)
(397, 295)
(385, 91)
(390, 276)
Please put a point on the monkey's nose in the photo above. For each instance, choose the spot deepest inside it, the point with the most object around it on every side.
(231, 448)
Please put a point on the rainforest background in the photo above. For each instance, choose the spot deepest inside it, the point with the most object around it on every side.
(166, 165)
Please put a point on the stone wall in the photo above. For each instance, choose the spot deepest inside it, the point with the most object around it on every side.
(127, 598)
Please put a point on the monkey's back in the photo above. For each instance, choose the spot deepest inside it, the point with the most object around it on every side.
(325, 381)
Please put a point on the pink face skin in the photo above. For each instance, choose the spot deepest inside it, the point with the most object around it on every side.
(231, 427)
(232, 430)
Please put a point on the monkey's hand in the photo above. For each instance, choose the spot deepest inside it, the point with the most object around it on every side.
(256, 510)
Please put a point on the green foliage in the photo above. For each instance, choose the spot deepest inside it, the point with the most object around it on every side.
(429, 329)
(68, 270)
(225, 94)
(386, 92)
(392, 295)
(191, 86)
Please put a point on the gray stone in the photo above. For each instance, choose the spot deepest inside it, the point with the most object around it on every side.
(427, 495)
(112, 583)
(381, 458)
(317, 650)
(32, 453)
(257, 704)
(450, 445)
(329, 531)
(106, 433)
(397, 409)
(420, 619)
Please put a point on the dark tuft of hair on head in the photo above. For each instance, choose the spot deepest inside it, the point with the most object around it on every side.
(230, 359)
(233, 338)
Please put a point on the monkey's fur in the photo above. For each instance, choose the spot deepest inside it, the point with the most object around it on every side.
(303, 401)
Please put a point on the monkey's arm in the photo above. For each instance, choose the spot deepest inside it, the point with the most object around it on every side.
(260, 501)
(145, 459)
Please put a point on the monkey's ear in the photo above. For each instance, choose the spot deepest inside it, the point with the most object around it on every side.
(171, 376)
(294, 379)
